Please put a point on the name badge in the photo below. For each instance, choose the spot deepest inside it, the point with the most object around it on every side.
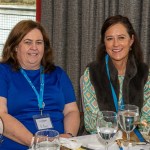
(42, 121)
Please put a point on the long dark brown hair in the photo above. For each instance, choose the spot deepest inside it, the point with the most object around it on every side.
(136, 47)
(16, 35)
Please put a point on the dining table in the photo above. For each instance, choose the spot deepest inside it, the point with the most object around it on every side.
(92, 142)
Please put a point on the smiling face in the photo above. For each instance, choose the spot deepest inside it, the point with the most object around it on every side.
(118, 42)
(30, 50)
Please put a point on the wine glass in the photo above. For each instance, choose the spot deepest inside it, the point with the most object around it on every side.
(128, 115)
(47, 140)
(1, 129)
(107, 126)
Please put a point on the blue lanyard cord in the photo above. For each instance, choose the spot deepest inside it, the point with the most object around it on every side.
(138, 134)
(112, 88)
(41, 103)
(39, 96)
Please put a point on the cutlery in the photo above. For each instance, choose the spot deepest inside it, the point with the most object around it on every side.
(142, 143)
(86, 148)
(119, 144)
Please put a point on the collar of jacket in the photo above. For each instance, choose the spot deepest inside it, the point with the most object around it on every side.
(133, 84)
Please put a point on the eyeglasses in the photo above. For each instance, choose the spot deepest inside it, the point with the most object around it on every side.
(29, 43)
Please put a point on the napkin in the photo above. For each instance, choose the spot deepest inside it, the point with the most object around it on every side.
(69, 143)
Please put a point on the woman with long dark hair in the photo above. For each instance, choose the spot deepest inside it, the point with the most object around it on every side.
(119, 76)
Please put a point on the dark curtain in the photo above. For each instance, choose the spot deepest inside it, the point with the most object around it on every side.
(74, 28)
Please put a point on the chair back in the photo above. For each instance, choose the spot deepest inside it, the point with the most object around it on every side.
(82, 130)
(81, 90)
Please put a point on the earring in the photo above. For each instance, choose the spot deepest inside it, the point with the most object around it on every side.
(16, 49)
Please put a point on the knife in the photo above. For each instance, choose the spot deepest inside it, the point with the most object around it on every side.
(139, 135)
(119, 144)
(86, 148)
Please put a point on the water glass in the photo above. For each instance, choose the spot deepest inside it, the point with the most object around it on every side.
(128, 116)
(107, 126)
(47, 140)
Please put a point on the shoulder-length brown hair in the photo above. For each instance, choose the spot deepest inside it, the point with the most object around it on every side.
(16, 35)
(136, 47)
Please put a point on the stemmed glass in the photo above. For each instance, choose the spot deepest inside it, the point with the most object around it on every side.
(47, 140)
(1, 129)
(107, 126)
(128, 116)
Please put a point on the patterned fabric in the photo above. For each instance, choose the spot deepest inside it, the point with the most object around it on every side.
(121, 78)
(91, 107)
(90, 104)
(145, 115)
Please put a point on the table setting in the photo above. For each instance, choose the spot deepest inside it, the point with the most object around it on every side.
(93, 142)
(117, 131)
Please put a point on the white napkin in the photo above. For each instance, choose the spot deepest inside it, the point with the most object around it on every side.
(69, 143)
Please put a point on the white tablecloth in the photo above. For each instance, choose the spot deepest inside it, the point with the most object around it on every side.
(91, 141)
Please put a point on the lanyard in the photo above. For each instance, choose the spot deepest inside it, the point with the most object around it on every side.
(112, 88)
(136, 131)
(41, 104)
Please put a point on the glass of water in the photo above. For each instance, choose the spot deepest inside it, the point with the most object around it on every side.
(107, 126)
(47, 140)
(128, 116)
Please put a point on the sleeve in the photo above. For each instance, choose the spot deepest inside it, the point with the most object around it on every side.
(67, 88)
(90, 103)
(145, 113)
(3, 82)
